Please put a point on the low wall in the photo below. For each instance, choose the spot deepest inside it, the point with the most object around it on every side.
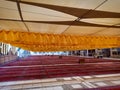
(7, 58)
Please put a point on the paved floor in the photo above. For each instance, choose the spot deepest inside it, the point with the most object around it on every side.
(67, 83)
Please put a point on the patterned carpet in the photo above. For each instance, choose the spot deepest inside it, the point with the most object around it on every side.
(41, 67)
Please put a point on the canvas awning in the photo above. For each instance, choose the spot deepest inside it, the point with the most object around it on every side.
(76, 18)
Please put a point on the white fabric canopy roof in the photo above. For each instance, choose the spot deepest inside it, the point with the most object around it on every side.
(74, 17)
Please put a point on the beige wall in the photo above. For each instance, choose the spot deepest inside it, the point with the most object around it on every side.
(6, 58)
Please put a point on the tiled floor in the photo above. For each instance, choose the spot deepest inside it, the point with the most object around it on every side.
(67, 83)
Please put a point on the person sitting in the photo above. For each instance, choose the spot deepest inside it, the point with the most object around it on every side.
(82, 60)
(95, 55)
(60, 57)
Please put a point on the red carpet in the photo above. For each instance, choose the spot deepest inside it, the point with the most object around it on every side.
(52, 66)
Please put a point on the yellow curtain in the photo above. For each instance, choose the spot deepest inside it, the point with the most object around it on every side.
(55, 42)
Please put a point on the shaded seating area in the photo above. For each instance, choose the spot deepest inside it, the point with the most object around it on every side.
(40, 67)
(50, 29)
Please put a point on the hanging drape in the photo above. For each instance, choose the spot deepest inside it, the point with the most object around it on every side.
(55, 42)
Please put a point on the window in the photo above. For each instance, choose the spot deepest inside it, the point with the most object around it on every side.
(114, 53)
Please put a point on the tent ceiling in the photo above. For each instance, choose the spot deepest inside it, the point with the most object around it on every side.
(75, 17)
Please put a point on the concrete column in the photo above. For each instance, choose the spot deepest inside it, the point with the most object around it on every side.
(96, 50)
(5, 48)
(86, 52)
(111, 54)
(2, 48)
